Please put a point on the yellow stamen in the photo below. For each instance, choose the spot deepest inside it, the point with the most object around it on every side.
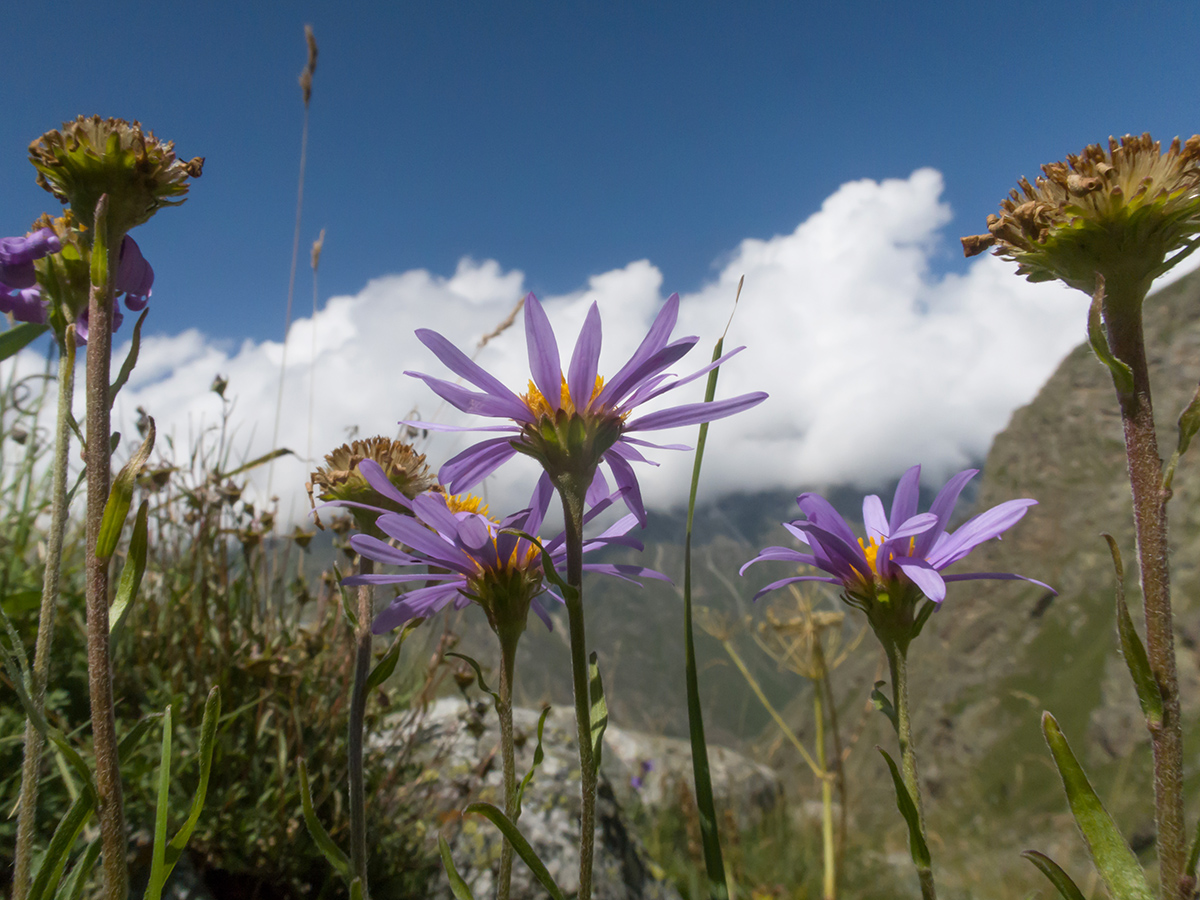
(870, 550)
(538, 405)
(457, 503)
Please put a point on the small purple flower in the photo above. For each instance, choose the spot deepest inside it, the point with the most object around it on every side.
(25, 304)
(904, 553)
(464, 556)
(572, 422)
(17, 255)
(638, 781)
(134, 279)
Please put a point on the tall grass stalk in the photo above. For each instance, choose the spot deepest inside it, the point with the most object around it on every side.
(34, 742)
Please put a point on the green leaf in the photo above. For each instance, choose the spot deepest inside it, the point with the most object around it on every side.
(386, 666)
(509, 830)
(1055, 873)
(325, 843)
(253, 464)
(478, 677)
(458, 887)
(1148, 691)
(1194, 855)
(208, 738)
(99, 263)
(18, 337)
(49, 872)
(538, 755)
(131, 574)
(599, 707)
(1189, 423)
(120, 497)
(356, 889)
(72, 888)
(883, 703)
(348, 612)
(908, 809)
(130, 359)
(1122, 375)
(158, 854)
(1116, 863)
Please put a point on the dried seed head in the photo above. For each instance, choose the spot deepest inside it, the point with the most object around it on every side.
(339, 478)
(1125, 212)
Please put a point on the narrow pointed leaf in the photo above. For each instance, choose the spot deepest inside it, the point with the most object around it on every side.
(72, 888)
(1194, 855)
(908, 809)
(599, 707)
(509, 830)
(328, 848)
(1052, 870)
(458, 887)
(120, 498)
(883, 703)
(54, 861)
(483, 686)
(1122, 375)
(1116, 863)
(130, 359)
(159, 852)
(131, 575)
(208, 739)
(18, 337)
(356, 889)
(1189, 423)
(538, 755)
(386, 666)
(1148, 691)
(98, 270)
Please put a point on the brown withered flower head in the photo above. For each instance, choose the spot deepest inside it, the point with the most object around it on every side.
(1128, 212)
(92, 156)
(339, 478)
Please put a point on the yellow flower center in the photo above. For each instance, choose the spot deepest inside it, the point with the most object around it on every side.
(870, 550)
(457, 503)
(540, 407)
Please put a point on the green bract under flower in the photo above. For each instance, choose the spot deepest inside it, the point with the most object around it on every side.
(1128, 213)
(93, 156)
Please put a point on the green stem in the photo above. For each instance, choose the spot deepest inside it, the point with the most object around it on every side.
(898, 663)
(508, 662)
(1123, 315)
(34, 742)
(358, 713)
(830, 882)
(573, 500)
(110, 808)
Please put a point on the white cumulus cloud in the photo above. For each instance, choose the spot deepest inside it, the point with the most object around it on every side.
(872, 362)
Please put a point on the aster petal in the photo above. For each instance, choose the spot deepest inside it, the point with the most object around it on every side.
(409, 531)
(581, 377)
(656, 338)
(377, 479)
(908, 493)
(474, 402)
(475, 463)
(540, 612)
(543, 491)
(996, 576)
(835, 555)
(694, 413)
(625, 439)
(475, 535)
(439, 426)
(874, 518)
(399, 578)
(627, 483)
(641, 397)
(544, 364)
(463, 366)
(421, 602)
(430, 507)
(631, 454)
(821, 512)
(785, 554)
(597, 490)
(924, 576)
(382, 551)
(615, 392)
(626, 572)
(776, 585)
(943, 507)
(974, 532)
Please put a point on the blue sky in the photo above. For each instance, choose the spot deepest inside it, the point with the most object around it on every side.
(566, 139)
(461, 154)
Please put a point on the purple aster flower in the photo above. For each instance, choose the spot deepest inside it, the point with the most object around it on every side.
(572, 422)
(464, 556)
(17, 255)
(903, 555)
(25, 305)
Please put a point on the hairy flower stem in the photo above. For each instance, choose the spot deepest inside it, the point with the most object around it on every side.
(573, 500)
(898, 663)
(1123, 316)
(504, 709)
(98, 461)
(358, 714)
(34, 741)
(829, 884)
